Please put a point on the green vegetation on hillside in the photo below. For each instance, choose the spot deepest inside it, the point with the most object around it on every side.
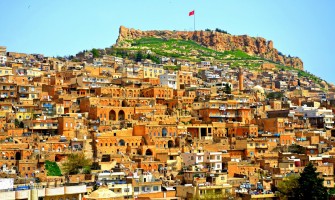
(301, 73)
(186, 49)
(175, 68)
(217, 30)
(154, 48)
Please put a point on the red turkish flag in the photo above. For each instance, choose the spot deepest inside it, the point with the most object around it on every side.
(191, 13)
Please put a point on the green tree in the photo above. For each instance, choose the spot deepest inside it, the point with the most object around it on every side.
(21, 125)
(227, 89)
(52, 168)
(310, 185)
(275, 95)
(139, 56)
(294, 148)
(16, 123)
(76, 163)
(286, 187)
(95, 53)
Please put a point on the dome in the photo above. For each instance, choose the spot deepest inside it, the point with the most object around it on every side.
(258, 89)
(323, 83)
(102, 193)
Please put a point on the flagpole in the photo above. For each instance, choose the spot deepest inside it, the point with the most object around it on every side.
(194, 21)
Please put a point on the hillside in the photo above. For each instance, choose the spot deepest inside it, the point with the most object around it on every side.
(208, 44)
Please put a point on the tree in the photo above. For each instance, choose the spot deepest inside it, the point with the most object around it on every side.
(310, 185)
(16, 123)
(76, 163)
(275, 95)
(52, 168)
(294, 148)
(227, 89)
(139, 56)
(21, 125)
(287, 187)
(95, 53)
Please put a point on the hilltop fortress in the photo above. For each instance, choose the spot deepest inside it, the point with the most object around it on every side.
(255, 46)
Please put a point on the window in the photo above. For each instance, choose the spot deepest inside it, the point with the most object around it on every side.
(328, 182)
(126, 190)
(222, 178)
(155, 188)
(191, 157)
(218, 157)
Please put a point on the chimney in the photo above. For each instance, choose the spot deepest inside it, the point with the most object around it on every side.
(240, 79)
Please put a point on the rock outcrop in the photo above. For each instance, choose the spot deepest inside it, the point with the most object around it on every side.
(257, 46)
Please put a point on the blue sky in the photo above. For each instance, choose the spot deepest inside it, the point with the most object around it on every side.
(302, 28)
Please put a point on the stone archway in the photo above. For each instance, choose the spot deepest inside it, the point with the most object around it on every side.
(18, 156)
(170, 144)
(164, 132)
(122, 143)
(139, 151)
(112, 115)
(160, 168)
(122, 115)
(124, 103)
(148, 152)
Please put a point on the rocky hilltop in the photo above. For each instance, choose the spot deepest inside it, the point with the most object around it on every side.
(256, 46)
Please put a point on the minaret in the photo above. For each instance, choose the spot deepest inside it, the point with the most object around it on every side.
(240, 79)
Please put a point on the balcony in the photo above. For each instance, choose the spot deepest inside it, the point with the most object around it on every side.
(41, 192)
(214, 159)
(47, 105)
(43, 127)
(217, 115)
(7, 195)
(22, 194)
(75, 189)
(262, 147)
(54, 191)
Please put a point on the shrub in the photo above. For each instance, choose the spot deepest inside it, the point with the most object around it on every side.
(52, 168)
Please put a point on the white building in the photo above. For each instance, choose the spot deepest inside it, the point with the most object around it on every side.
(146, 183)
(205, 64)
(213, 160)
(312, 113)
(3, 59)
(169, 79)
